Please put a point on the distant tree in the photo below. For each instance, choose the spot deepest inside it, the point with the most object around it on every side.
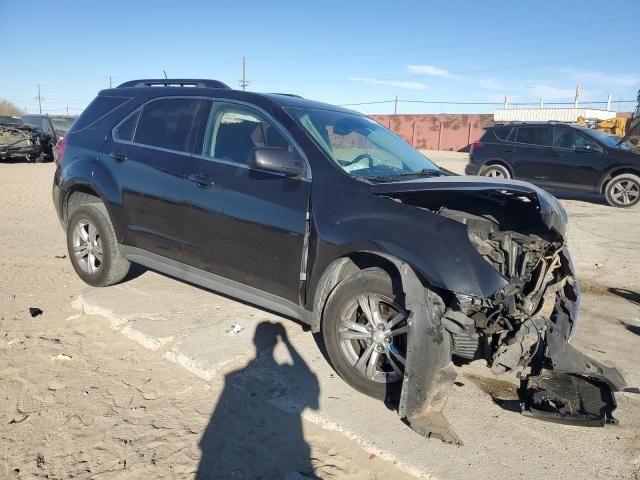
(8, 108)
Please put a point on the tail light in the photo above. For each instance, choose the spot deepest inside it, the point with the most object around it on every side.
(476, 146)
(61, 146)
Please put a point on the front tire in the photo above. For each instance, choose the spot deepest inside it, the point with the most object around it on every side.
(365, 330)
(623, 191)
(93, 248)
(496, 171)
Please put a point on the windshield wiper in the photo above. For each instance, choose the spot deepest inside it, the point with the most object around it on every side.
(425, 172)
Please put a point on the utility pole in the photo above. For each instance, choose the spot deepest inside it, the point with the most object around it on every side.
(395, 106)
(506, 102)
(110, 82)
(575, 102)
(244, 82)
(609, 103)
(40, 99)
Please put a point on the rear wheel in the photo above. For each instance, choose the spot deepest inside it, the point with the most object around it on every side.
(93, 248)
(365, 332)
(623, 191)
(496, 171)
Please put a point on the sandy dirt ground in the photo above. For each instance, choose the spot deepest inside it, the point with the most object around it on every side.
(78, 400)
(150, 379)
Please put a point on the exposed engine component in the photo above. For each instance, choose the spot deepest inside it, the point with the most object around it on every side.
(465, 340)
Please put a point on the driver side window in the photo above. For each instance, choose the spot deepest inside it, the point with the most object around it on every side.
(565, 138)
(233, 131)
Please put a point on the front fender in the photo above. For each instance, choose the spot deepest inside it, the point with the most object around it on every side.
(438, 248)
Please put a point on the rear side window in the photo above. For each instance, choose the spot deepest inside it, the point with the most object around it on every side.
(167, 123)
(97, 109)
(128, 128)
(534, 136)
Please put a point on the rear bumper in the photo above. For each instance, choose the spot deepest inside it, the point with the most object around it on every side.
(471, 169)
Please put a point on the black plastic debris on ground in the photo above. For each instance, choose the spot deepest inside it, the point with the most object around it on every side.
(35, 311)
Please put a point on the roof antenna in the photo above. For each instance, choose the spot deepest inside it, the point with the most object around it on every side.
(165, 74)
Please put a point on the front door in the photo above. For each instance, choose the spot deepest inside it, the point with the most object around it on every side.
(578, 161)
(241, 223)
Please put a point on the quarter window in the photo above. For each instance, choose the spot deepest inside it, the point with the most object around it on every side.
(233, 132)
(534, 136)
(167, 123)
(128, 128)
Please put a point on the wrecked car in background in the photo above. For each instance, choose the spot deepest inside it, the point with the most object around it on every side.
(19, 140)
(323, 215)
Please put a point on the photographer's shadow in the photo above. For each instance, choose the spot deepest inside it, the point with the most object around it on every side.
(248, 437)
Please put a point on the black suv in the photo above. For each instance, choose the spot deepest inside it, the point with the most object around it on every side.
(321, 214)
(560, 157)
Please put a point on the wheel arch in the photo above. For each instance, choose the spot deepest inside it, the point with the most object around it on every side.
(496, 161)
(82, 194)
(345, 266)
(614, 172)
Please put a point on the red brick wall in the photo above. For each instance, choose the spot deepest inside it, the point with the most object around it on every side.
(437, 132)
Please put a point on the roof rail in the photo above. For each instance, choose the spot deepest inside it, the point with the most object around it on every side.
(288, 94)
(174, 82)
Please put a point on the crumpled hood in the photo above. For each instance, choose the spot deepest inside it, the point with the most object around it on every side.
(552, 212)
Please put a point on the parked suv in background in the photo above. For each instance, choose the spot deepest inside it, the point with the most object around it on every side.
(323, 215)
(560, 156)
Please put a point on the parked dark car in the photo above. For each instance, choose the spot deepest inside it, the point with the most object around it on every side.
(560, 156)
(323, 215)
(22, 141)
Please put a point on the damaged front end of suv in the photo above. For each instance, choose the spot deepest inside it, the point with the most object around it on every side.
(524, 325)
(19, 140)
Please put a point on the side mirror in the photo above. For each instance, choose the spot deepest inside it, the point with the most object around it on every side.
(279, 160)
(587, 148)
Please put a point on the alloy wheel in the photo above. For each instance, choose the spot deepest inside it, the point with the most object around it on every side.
(87, 246)
(625, 192)
(372, 333)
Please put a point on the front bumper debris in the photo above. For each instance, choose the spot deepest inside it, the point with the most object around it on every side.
(563, 384)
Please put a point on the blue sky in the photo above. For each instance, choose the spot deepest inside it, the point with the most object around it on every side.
(340, 52)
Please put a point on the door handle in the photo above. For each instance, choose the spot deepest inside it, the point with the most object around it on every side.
(508, 150)
(201, 179)
(119, 156)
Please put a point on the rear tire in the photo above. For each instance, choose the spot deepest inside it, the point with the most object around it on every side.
(93, 247)
(368, 357)
(496, 171)
(623, 191)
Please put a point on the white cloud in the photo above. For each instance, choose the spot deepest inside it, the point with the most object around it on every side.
(390, 83)
(430, 70)
(603, 79)
(551, 92)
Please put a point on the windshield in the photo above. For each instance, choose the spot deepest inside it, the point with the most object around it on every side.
(362, 147)
(610, 140)
(61, 125)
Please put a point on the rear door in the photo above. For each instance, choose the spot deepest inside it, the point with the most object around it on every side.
(578, 160)
(148, 156)
(244, 224)
(531, 148)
